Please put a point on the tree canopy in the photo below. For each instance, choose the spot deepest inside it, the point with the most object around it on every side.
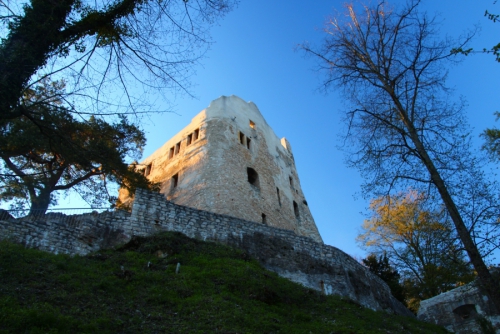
(105, 51)
(106, 47)
(52, 151)
(419, 242)
(381, 267)
(403, 127)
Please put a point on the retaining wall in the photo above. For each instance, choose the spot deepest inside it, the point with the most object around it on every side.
(297, 258)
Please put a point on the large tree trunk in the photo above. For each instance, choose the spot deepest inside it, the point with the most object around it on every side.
(40, 33)
(40, 203)
(27, 49)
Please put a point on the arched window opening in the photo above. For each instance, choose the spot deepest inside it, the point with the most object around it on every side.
(253, 177)
(465, 311)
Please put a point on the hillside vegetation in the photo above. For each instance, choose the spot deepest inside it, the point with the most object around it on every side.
(135, 289)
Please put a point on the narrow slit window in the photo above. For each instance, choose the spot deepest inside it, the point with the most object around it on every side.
(189, 139)
(296, 210)
(291, 181)
(248, 143)
(242, 138)
(147, 171)
(196, 134)
(171, 153)
(279, 197)
(175, 180)
(264, 218)
(252, 124)
(177, 148)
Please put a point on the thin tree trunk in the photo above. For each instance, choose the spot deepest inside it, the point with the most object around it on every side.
(492, 288)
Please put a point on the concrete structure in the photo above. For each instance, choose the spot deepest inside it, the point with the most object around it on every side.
(461, 310)
(229, 161)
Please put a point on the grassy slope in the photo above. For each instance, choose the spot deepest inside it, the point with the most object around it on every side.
(218, 290)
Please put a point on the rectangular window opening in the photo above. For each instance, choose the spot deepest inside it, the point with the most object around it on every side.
(177, 148)
(242, 138)
(147, 171)
(264, 218)
(175, 180)
(189, 139)
(279, 197)
(248, 143)
(291, 181)
(253, 177)
(171, 153)
(196, 134)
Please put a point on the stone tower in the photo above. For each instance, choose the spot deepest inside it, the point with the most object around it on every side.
(229, 161)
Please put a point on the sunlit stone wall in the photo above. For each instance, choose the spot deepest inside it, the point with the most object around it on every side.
(229, 161)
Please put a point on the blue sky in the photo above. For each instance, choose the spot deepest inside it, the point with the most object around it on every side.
(254, 58)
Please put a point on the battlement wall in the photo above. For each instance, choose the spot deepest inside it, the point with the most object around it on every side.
(297, 258)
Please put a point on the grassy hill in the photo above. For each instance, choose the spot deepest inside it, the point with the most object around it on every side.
(135, 289)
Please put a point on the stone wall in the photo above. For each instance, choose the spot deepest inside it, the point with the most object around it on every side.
(298, 258)
(460, 310)
(234, 165)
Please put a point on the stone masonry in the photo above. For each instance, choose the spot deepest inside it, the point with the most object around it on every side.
(229, 161)
(298, 258)
(460, 310)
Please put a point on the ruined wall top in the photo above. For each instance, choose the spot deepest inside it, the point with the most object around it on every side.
(236, 111)
(228, 160)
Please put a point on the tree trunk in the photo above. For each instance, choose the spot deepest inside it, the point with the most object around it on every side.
(492, 288)
(27, 49)
(40, 204)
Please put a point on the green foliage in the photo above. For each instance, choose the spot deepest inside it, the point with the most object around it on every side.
(107, 44)
(419, 242)
(50, 150)
(382, 268)
(104, 47)
(495, 49)
(135, 289)
(492, 137)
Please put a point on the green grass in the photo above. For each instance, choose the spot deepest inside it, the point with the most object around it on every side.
(218, 290)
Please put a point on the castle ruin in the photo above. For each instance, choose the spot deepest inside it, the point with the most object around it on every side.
(229, 161)
(227, 178)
